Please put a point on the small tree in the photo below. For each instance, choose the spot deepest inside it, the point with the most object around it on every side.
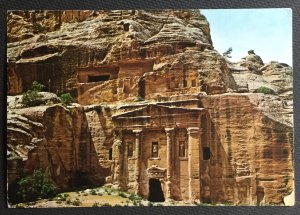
(66, 99)
(264, 90)
(36, 86)
(31, 97)
(36, 186)
(227, 53)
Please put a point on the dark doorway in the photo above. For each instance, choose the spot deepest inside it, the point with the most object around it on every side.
(206, 153)
(141, 89)
(184, 83)
(98, 78)
(110, 154)
(126, 26)
(155, 192)
(143, 52)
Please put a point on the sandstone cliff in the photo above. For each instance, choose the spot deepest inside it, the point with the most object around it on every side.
(254, 149)
(53, 53)
(251, 73)
(132, 64)
(55, 139)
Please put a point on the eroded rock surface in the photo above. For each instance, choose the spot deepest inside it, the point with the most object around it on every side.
(250, 75)
(54, 139)
(54, 56)
(159, 108)
(251, 148)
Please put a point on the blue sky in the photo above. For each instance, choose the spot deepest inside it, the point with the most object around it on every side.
(267, 31)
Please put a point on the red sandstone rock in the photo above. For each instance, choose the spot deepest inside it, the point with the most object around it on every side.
(54, 139)
(156, 108)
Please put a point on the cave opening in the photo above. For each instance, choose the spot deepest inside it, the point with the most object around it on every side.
(12, 193)
(155, 191)
(80, 179)
(98, 78)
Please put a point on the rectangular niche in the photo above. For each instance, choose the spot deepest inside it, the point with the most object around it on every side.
(154, 149)
(130, 149)
(98, 78)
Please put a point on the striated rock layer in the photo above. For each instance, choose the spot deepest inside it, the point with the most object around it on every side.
(174, 42)
(255, 152)
(251, 154)
(54, 139)
(159, 109)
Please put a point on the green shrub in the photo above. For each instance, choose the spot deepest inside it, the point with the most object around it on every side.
(21, 205)
(227, 203)
(66, 99)
(76, 202)
(201, 204)
(133, 197)
(36, 86)
(106, 205)
(93, 192)
(36, 186)
(31, 97)
(264, 90)
(60, 197)
(122, 194)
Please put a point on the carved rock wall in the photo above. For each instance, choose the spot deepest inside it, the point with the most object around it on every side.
(54, 55)
(162, 55)
(54, 139)
(252, 154)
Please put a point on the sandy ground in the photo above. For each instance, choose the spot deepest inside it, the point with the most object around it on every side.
(98, 197)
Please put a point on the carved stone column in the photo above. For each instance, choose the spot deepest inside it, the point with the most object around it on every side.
(137, 158)
(193, 163)
(169, 134)
(117, 160)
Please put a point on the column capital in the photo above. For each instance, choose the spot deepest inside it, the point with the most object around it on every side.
(168, 130)
(193, 130)
(137, 132)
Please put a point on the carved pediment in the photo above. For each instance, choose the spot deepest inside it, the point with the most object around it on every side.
(154, 109)
(157, 116)
(156, 172)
